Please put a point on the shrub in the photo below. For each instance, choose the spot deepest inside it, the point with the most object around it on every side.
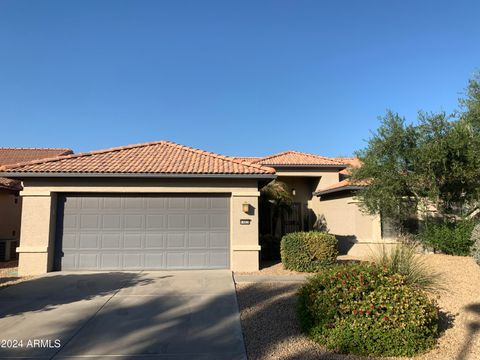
(476, 243)
(362, 309)
(308, 251)
(453, 238)
(403, 259)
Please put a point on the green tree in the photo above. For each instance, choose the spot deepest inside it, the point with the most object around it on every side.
(434, 163)
(278, 194)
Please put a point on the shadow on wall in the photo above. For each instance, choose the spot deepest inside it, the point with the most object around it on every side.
(345, 243)
(124, 325)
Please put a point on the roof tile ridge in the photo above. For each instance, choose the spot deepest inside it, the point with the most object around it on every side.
(218, 156)
(73, 156)
(272, 156)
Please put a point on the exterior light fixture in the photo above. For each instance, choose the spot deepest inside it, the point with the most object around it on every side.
(245, 207)
(293, 192)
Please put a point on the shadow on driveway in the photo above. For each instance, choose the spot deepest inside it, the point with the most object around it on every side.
(167, 315)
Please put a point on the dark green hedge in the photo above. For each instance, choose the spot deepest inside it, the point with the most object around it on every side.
(453, 238)
(308, 251)
(361, 309)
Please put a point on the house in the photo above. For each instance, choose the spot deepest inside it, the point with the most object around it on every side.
(10, 202)
(157, 205)
(162, 205)
(324, 199)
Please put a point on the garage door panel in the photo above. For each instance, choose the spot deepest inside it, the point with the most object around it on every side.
(133, 261)
(132, 241)
(219, 240)
(132, 232)
(219, 203)
(88, 241)
(155, 222)
(89, 221)
(175, 240)
(155, 241)
(176, 260)
(219, 221)
(155, 261)
(88, 261)
(112, 203)
(110, 261)
(176, 203)
(197, 240)
(111, 241)
(134, 221)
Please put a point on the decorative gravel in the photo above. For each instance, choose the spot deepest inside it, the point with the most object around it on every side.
(271, 330)
(9, 273)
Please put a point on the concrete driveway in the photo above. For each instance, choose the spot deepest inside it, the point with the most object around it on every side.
(140, 315)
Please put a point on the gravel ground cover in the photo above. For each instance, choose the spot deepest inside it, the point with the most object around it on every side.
(271, 330)
(9, 273)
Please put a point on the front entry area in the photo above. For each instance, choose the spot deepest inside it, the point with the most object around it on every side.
(142, 232)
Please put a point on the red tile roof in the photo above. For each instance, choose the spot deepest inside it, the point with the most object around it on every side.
(341, 186)
(352, 162)
(10, 156)
(10, 184)
(247, 158)
(296, 158)
(162, 157)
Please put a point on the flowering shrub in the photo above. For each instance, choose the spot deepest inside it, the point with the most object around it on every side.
(308, 251)
(361, 309)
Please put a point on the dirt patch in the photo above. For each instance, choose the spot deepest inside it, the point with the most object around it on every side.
(271, 329)
(9, 273)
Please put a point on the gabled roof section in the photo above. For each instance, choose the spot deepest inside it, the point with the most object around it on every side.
(297, 158)
(10, 156)
(154, 158)
(343, 185)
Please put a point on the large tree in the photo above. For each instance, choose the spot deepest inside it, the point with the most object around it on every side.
(432, 164)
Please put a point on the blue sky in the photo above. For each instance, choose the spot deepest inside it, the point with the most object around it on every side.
(234, 77)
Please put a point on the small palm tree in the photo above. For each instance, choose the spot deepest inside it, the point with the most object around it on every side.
(279, 195)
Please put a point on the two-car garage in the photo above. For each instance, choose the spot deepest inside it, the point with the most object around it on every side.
(142, 231)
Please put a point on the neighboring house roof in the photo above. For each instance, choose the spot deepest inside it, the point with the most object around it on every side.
(297, 158)
(155, 158)
(9, 156)
(343, 185)
(10, 184)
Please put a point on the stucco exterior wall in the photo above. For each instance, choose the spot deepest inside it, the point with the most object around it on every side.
(39, 214)
(359, 234)
(10, 215)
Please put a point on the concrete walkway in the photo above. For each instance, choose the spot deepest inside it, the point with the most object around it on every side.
(140, 315)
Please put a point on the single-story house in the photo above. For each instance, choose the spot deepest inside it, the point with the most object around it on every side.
(162, 205)
(10, 201)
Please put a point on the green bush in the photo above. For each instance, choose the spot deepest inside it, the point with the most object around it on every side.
(453, 238)
(308, 251)
(476, 243)
(403, 259)
(364, 310)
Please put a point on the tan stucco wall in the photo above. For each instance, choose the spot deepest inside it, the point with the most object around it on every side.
(38, 218)
(345, 219)
(10, 214)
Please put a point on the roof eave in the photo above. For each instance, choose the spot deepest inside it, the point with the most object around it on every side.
(339, 166)
(344, 188)
(23, 175)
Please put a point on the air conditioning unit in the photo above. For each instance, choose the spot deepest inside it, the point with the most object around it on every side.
(8, 249)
